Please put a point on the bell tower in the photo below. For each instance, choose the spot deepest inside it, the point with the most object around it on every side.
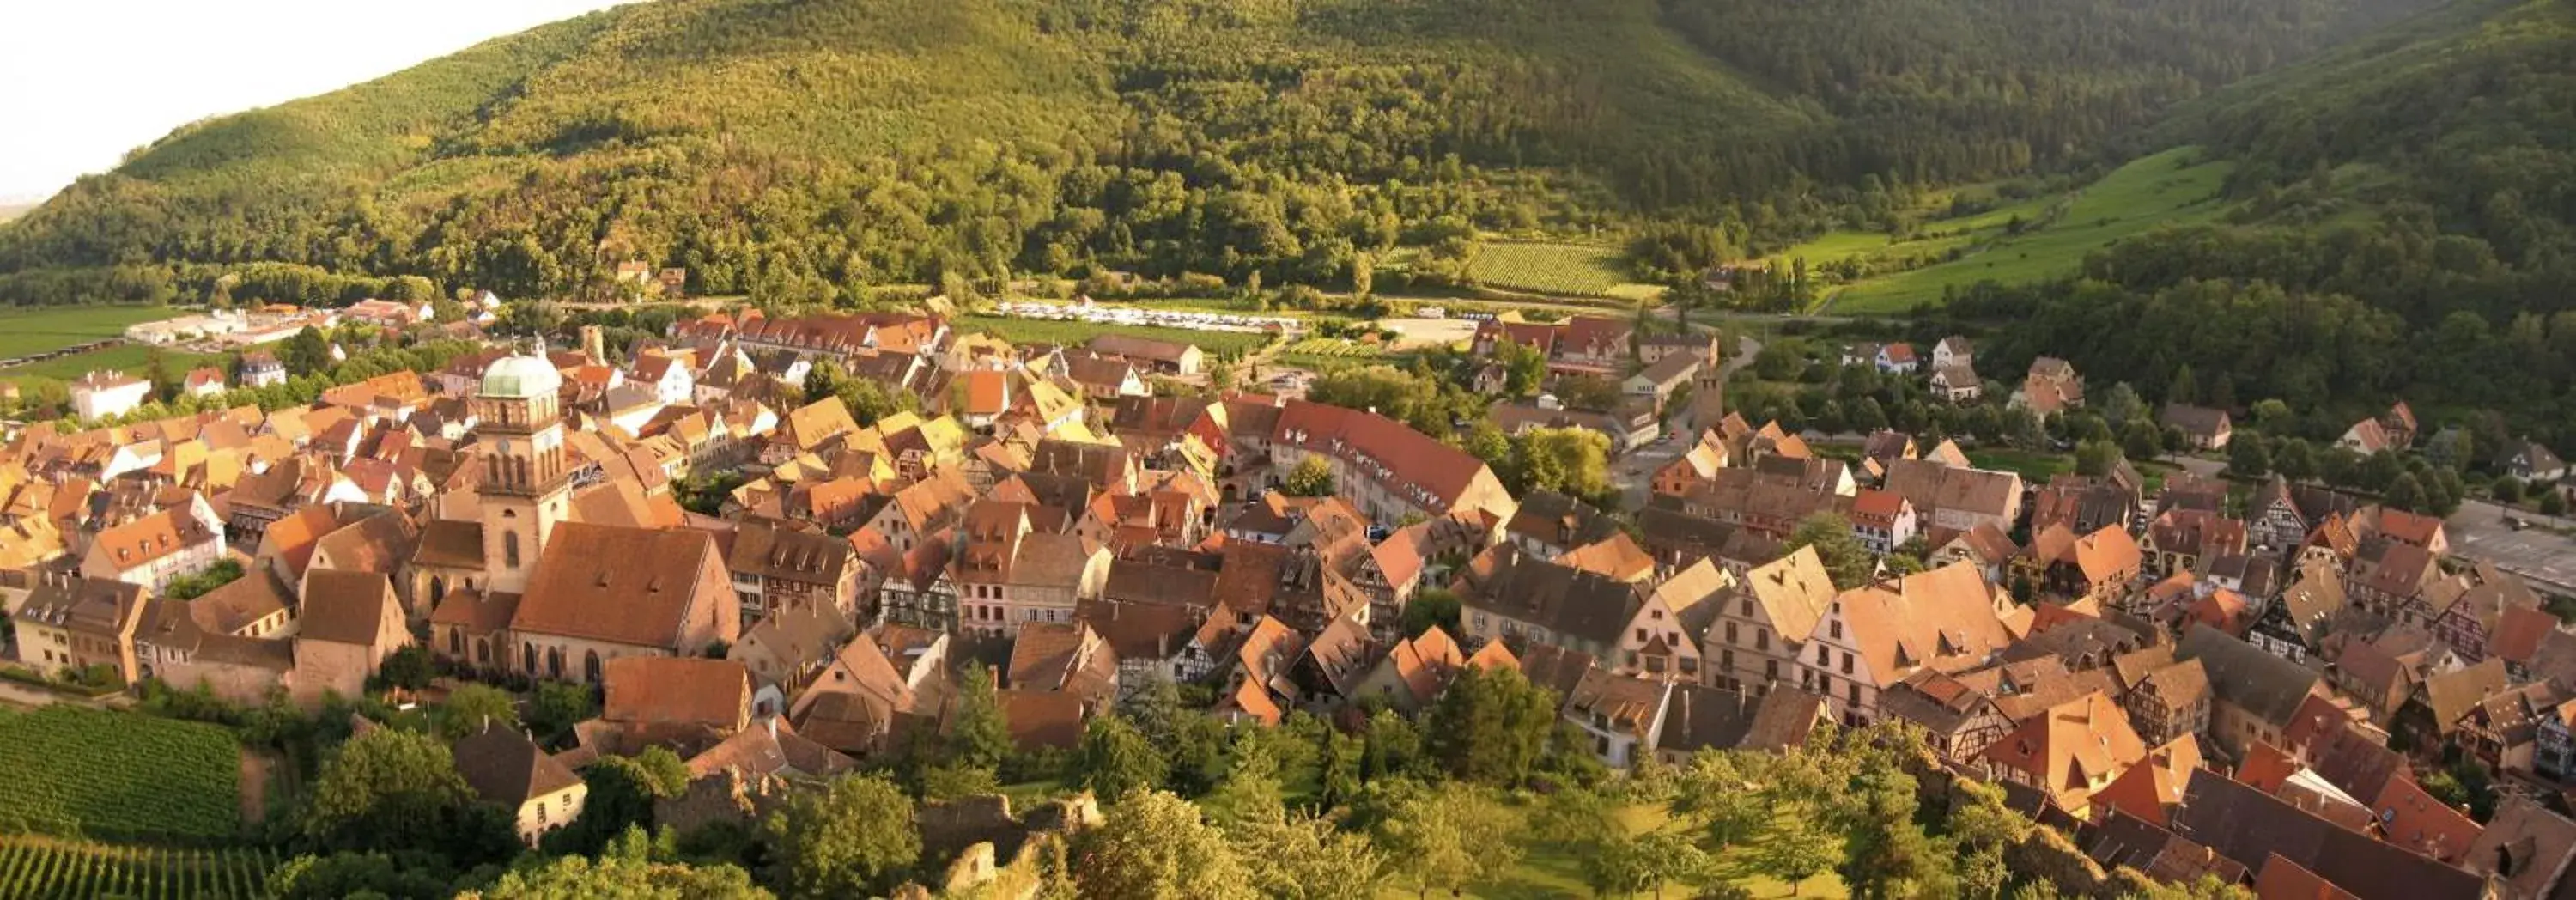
(527, 485)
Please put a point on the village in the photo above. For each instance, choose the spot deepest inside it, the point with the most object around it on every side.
(2277, 685)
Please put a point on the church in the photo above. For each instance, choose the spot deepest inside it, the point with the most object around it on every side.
(526, 589)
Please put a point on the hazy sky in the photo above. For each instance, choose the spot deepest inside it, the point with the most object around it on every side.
(83, 81)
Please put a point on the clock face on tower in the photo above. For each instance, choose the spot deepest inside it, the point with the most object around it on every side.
(504, 445)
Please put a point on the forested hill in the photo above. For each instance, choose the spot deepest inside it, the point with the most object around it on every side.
(796, 148)
(2406, 228)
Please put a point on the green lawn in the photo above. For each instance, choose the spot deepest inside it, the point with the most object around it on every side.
(1574, 270)
(132, 358)
(1025, 331)
(2148, 192)
(25, 330)
(2035, 468)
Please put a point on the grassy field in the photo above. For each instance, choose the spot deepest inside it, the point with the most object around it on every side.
(132, 358)
(25, 330)
(121, 775)
(1573, 270)
(1026, 331)
(2035, 468)
(2149, 192)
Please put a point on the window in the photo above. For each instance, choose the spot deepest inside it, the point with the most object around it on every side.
(1835, 629)
(1657, 615)
(510, 548)
(1762, 639)
(456, 642)
(1745, 608)
(1847, 663)
(1855, 693)
(1824, 655)
(1771, 669)
(1730, 632)
(1641, 635)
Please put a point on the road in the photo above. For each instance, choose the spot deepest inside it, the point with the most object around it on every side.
(2543, 557)
(1635, 473)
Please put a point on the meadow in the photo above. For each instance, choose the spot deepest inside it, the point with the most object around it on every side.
(25, 330)
(1571, 270)
(118, 775)
(1227, 344)
(2170, 188)
(133, 359)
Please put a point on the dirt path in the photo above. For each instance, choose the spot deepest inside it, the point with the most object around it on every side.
(258, 768)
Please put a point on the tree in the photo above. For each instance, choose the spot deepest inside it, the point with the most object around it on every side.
(2553, 503)
(1628, 863)
(632, 868)
(1431, 607)
(2406, 493)
(473, 707)
(1153, 846)
(1570, 461)
(2248, 456)
(2096, 457)
(557, 706)
(1715, 794)
(1449, 838)
(2140, 441)
(410, 875)
(1796, 850)
(2183, 388)
(1489, 727)
(1845, 560)
(306, 353)
(2507, 490)
(622, 792)
(1308, 858)
(979, 736)
(408, 668)
(392, 790)
(851, 839)
(2296, 460)
(2120, 405)
(1313, 477)
(2272, 416)
(1114, 759)
(1592, 392)
(1885, 854)
(1250, 793)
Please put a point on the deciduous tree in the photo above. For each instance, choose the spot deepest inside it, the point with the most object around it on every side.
(851, 839)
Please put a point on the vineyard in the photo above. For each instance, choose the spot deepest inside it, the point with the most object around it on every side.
(1572, 270)
(1343, 348)
(37, 868)
(94, 773)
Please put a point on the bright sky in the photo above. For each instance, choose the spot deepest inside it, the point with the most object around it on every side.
(83, 81)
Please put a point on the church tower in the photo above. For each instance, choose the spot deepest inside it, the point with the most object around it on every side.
(526, 485)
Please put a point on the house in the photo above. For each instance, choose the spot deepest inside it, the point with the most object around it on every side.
(788, 649)
(775, 567)
(2367, 437)
(1166, 357)
(2524, 848)
(2051, 387)
(2294, 624)
(75, 622)
(1883, 520)
(1652, 349)
(2252, 827)
(1009, 574)
(108, 394)
(689, 702)
(1622, 716)
(505, 767)
(2400, 425)
(2171, 701)
(2099, 566)
(1875, 636)
(2256, 694)
(2068, 753)
(1957, 498)
(203, 381)
(2204, 428)
(349, 623)
(1382, 466)
(2528, 461)
(1416, 670)
(2083, 503)
(1699, 718)
(603, 593)
(1663, 377)
(1952, 351)
(1956, 383)
(1959, 720)
(155, 548)
(1506, 594)
(2186, 540)
(261, 369)
(1662, 640)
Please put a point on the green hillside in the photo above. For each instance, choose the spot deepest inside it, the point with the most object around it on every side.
(797, 149)
(2404, 227)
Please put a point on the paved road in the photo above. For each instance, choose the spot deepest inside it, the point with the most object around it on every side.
(1635, 473)
(2545, 558)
